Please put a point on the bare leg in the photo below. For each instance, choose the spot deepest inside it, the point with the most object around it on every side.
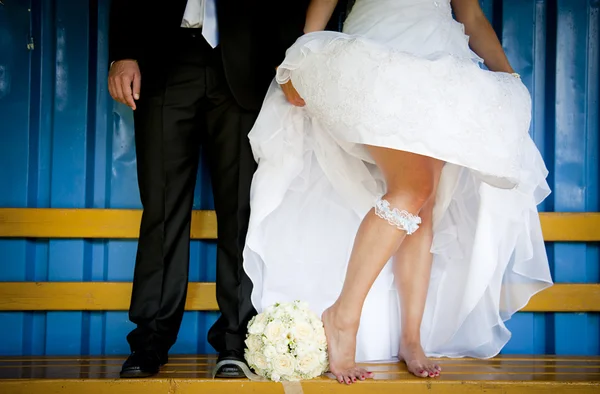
(412, 270)
(410, 180)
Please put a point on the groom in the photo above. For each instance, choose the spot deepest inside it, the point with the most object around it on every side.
(194, 72)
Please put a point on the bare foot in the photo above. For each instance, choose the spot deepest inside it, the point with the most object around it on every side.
(341, 348)
(417, 363)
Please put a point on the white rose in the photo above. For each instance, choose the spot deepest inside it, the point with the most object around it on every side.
(316, 323)
(308, 363)
(261, 318)
(303, 332)
(317, 371)
(259, 360)
(258, 324)
(284, 365)
(275, 377)
(280, 313)
(304, 348)
(320, 338)
(282, 347)
(249, 356)
(274, 331)
(316, 320)
(270, 351)
(323, 358)
(256, 329)
(254, 343)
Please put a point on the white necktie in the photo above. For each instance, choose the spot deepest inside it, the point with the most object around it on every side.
(209, 23)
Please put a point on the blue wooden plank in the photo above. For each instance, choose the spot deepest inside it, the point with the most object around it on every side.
(67, 332)
(574, 333)
(40, 116)
(12, 331)
(14, 159)
(522, 341)
(98, 172)
(188, 338)
(518, 38)
(593, 141)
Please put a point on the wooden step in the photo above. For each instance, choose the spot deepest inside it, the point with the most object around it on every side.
(191, 374)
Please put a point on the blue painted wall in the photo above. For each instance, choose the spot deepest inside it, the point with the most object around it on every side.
(65, 144)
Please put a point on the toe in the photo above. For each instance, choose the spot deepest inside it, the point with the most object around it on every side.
(418, 369)
(363, 374)
(421, 372)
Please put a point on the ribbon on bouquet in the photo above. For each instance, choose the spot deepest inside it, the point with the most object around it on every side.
(249, 374)
(288, 387)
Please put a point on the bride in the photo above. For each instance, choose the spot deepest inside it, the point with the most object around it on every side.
(398, 194)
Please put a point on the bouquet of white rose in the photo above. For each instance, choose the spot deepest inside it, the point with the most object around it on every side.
(287, 342)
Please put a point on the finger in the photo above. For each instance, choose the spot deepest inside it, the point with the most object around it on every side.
(293, 97)
(292, 100)
(111, 88)
(127, 93)
(114, 90)
(298, 101)
(118, 90)
(137, 84)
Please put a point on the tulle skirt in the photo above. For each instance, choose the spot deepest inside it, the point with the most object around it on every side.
(418, 89)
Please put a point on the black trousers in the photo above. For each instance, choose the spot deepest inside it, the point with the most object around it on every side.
(186, 102)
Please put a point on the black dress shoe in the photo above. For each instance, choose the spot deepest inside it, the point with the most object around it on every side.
(227, 370)
(141, 365)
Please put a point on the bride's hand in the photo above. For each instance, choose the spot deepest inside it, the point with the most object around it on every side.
(291, 94)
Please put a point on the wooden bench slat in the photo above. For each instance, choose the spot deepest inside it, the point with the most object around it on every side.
(124, 224)
(507, 375)
(115, 296)
(89, 223)
(574, 227)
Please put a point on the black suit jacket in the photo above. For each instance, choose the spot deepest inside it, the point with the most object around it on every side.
(253, 37)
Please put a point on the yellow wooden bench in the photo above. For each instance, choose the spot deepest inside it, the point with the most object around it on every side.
(505, 374)
(191, 374)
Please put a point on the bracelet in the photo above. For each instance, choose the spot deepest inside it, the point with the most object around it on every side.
(516, 75)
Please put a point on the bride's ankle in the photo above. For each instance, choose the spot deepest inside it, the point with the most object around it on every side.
(342, 319)
(409, 341)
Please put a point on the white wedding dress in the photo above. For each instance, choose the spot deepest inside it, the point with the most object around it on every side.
(400, 76)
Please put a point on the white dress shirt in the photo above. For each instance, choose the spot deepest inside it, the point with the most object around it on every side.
(202, 14)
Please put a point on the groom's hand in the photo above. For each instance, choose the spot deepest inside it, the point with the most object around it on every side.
(124, 81)
(292, 94)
